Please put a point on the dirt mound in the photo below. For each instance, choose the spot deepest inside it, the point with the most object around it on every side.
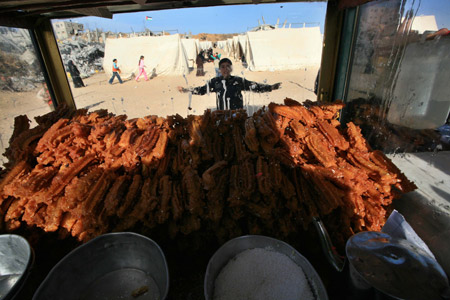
(213, 37)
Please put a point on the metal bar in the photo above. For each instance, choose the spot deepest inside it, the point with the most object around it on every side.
(345, 60)
(44, 10)
(59, 5)
(69, 5)
(41, 61)
(330, 53)
(48, 47)
(17, 22)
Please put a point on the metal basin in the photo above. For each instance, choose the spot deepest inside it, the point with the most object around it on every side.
(112, 266)
(16, 259)
(235, 246)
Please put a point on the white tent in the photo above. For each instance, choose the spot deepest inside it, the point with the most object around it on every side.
(205, 45)
(198, 45)
(230, 51)
(222, 44)
(236, 47)
(191, 48)
(284, 49)
(243, 46)
(164, 55)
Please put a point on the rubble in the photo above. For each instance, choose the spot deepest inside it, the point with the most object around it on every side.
(87, 56)
(20, 69)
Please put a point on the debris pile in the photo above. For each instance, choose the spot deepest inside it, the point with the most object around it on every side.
(87, 56)
(19, 66)
(20, 70)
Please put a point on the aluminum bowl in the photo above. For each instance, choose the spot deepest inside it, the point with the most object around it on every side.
(16, 259)
(237, 245)
(112, 266)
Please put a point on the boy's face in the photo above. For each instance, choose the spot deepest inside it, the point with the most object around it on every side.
(225, 69)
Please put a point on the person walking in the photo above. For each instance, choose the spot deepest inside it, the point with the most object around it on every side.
(141, 69)
(229, 88)
(116, 71)
(199, 61)
(44, 95)
(75, 74)
(216, 58)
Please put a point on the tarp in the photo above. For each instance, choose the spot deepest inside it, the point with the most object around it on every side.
(284, 49)
(163, 54)
(191, 48)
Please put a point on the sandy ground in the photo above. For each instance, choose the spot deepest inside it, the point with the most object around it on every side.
(158, 96)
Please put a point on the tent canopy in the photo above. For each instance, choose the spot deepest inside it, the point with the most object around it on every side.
(242, 46)
(283, 48)
(230, 51)
(164, 55)
(192, 50)
(205, 45)
(222, 44)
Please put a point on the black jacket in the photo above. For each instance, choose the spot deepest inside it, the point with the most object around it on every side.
(229, 91)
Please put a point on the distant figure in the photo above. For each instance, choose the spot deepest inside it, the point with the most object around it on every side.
(75, 74)
(209, 54)
(199, 62)
(44, 95)
(142, 68)
(116, 71)
(229, 88)
(216, 58)
(243, 59)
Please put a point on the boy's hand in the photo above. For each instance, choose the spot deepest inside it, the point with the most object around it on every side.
(276, 86)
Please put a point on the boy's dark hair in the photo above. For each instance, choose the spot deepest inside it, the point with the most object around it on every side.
(223, 60)
(114, 59)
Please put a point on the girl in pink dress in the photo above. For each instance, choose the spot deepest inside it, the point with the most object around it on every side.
(141, 68)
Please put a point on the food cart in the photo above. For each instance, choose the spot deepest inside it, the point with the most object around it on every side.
(391, 78)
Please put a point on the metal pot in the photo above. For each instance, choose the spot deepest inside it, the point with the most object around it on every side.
(237, 245)
(16, 259)
(112, 266)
